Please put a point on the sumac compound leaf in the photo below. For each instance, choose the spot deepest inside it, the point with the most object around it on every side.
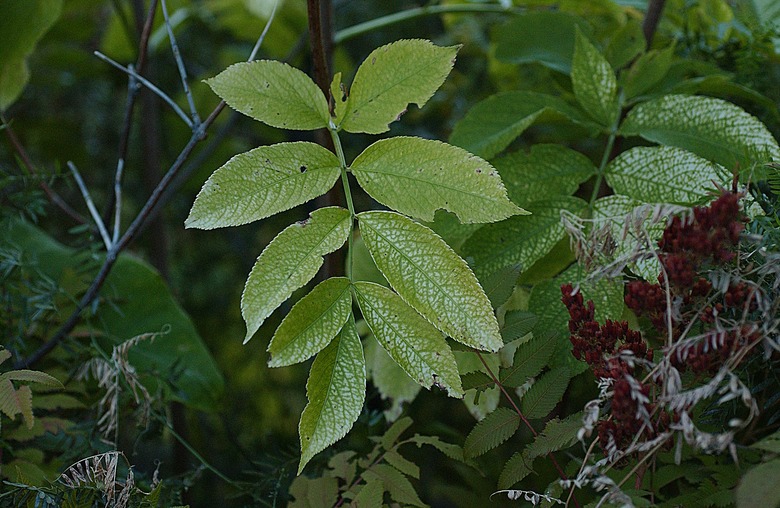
(390, 78)
(594, 83)
(336, 389)
(545, 393)
(312, 323)
(262, 182)
(399, 487)
(418, 176)
(711, 128)
(517, 323)
(493, 430)
(557, 435)
(500, 284)
(410, 340)
(664, 174)
(273, 93)
(431, 278)
(516, 468)
(530, 358)
(492, 124)
(290, 261)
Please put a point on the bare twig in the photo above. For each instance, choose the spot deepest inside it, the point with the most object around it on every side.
(180, 66)
(91, 206)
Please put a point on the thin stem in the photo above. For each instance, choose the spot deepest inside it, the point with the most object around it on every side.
(180, 66)
(120, 166)
(148, 84)
(347, 193)
(91, 206)
(607, 153)
(260, 39)
(417, 12)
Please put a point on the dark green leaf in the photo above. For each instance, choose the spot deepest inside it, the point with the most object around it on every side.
(530, 358)
(500, 285)
(493, 430)
(395, 483)
(516, 468)
(517, 323)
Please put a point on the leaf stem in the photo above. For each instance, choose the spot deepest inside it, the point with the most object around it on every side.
(607, 153)
(347, 193)
(418, 12)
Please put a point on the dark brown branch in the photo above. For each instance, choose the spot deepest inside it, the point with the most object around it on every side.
(652, 18)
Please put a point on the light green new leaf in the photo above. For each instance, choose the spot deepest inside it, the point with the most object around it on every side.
(399, 487)
(418, 176)
(594, 83)
(492, 124)
(711, 128)
(493, 430)
(290, 261)
(516, 468)
(262, 182)
(23, 23)
(545, 393)
(664, 174)
(758, 486)
(545, 172)
(410, 340)
(312, 323)
(431, 277)
(521, 239)
(274, 93)
(339, 93)
(336, 389)
(530, 358)
(392, 77)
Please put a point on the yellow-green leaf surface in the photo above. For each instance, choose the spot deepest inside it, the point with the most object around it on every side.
(274, 93)
(711, 128)
(664, 174)
(418, 176)
(33, 376)
(262, 182)
(594, 83)
(493, 430)
(290, 261)
(312, 323)
(410, 340)
(392, 77)
(336, 389)
(431, 277)
(22, 24)
(522, 239)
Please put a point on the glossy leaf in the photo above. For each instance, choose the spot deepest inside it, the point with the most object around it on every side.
(336, 389)
(418, 176)
(492, 124)
(539, 36)
(545, 393)
(312, 323)
(521, 239)
(594, 83)
(530, 358)
(711, 128)
(290, 261)
(664, 174)
(273, 93)
(430, 277)
(410, 340)
(392, 77)
(262, 182)
(493, 430)
(547, 171)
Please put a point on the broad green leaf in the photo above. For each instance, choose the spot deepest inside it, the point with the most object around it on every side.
(664, 174)
(499, 286)
(392, 77)
(290, 261)
(594, 83)
(626, 43)
(336, 389)
(492, 124)
(33, 376)
(395, 483)
(370, 495)
(262, 182)
(493, 430)
(418, 176)
(406, 466)
(389, 378)
(530, 358)
(430, 277)
(521, 239)
(23, 23)
(273, 93)
(515, 470)
(758, 486)
(408, 338)
(451, 230)
(314, 492)
(545, 393)
(339, 93)
(557, 435)
(711, 128)
(540, 36)
(312, 323)
(647, 71)
(517, 324)
(546, 172)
